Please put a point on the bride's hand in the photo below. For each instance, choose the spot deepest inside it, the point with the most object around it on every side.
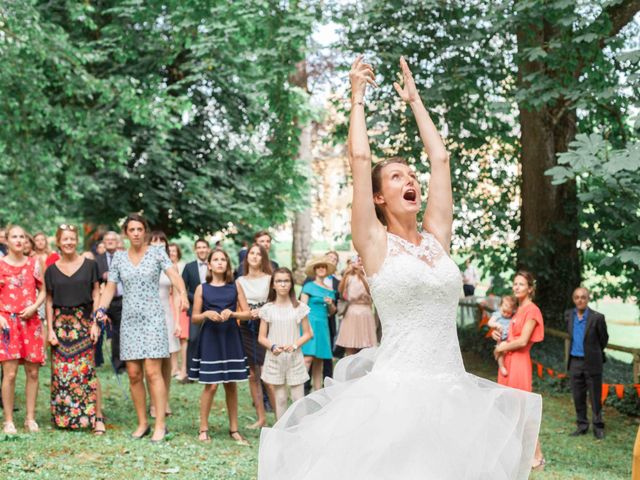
(360, 75)
(408, 92)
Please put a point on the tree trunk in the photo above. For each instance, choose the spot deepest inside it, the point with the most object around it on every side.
(301, 245)
(549, 217)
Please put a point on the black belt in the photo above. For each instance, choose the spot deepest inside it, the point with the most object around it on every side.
(577, 358)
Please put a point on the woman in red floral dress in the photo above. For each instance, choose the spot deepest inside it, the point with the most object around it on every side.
(21, 293)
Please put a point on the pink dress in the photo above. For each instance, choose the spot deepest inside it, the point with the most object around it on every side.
(358, 327)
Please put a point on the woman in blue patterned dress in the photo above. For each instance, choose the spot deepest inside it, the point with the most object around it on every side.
(143, 331)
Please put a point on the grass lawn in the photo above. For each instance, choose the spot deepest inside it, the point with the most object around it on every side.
(60, 455)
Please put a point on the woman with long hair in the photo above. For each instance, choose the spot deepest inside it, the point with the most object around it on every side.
(253, 290)
(144, 339)
(21, 293)
(408, 410)
(73, 293)
(525, 329)
(219, 357)
(358, 326)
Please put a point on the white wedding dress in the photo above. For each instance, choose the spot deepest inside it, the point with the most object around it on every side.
(408, 409)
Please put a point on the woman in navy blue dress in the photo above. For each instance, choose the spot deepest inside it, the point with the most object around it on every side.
(219, 356)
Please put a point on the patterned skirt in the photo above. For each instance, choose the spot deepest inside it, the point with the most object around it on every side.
(73, 376)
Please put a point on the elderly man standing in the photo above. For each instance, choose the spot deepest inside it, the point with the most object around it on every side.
(588, 331)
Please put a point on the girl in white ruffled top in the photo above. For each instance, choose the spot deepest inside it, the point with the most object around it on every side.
(283, 319)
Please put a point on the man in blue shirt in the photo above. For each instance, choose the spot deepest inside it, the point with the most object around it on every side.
(588, 331)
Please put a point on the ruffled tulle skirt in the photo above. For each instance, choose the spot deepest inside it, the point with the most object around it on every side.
(375, 426)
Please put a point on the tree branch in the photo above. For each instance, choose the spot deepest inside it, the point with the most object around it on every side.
(619, 15)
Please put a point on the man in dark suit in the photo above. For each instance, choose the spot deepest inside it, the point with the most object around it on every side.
(194, 274)
(588, 334)
(114, 312)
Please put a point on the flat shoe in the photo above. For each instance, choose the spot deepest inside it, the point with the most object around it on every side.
(31, 426)
(539, 467)
(166, 432)
(207, 438)
(9, 428)
(240, 441)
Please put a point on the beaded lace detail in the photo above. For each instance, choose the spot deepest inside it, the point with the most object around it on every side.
(416, 293)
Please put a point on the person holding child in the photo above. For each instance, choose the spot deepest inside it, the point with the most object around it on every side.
(500, 320)
(283, 318)
(526, 328)
(218, 356)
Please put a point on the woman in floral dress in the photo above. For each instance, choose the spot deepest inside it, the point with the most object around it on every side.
(144, 340)
(72, 294)
(21, 293)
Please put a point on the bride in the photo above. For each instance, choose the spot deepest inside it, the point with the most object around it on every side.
(407, 410)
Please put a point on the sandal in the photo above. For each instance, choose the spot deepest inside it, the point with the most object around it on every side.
(239, 439)
(207, 438)
(539, 467)
(31, 426)
(9, 428)
(99, 431)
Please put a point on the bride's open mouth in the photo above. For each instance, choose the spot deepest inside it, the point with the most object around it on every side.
(410, 195)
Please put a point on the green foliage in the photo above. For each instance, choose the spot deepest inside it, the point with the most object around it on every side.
(478, 64)
(180, 109)
(607, 180)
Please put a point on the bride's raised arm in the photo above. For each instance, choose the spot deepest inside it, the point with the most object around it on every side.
(438, 217)
(367, 232)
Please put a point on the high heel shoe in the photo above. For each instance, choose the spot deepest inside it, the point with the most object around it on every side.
(146, 432)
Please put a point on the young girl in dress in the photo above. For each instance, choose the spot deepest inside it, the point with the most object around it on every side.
(21, 293)
(218, 356)
(500, 320)
(280, 335)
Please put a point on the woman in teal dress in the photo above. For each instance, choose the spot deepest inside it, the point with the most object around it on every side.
(322, 304)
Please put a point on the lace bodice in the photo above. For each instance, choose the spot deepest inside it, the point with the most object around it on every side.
(416, 294)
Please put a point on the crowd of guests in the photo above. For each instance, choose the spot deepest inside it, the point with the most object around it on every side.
(202, 322)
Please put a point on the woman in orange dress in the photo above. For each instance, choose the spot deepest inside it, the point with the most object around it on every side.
(527, 328)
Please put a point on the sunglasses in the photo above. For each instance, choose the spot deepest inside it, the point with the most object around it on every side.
(65, 226)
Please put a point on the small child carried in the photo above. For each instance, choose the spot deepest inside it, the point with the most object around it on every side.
(500, 320)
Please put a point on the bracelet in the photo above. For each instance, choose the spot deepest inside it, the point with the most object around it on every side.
(295, 347)
(273, 347)
(359, 102)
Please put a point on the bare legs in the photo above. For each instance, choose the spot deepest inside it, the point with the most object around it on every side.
(206, 400)
(183, 358)
(256, 394)
(166, 375)
(351, 351)
(315, 365)
(280, 394)
(152, 368)
(10, 371)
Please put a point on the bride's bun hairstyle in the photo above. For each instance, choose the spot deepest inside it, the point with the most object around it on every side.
(531, 281)
(376, 181)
